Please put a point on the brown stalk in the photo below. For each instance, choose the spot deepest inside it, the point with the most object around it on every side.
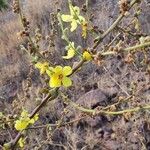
(120, 17)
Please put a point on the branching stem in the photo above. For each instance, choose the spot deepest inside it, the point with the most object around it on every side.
(120, 17)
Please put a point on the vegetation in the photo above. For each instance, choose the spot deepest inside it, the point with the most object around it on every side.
(57, 77)
(3, 4)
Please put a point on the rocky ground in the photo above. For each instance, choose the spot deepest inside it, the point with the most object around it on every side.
(94, 86)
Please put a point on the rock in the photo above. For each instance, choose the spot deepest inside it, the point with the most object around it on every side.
(93, 98)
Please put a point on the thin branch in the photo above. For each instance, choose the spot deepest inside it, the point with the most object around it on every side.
(51, 96)
(55, 125)
(136, 109)
(116, 82)
(147, 44)
(30, 38)
(117, 103)
(113, 39)
(78, 66)
(135, 35)
(102, 111)
(100, 38)
(132, 48)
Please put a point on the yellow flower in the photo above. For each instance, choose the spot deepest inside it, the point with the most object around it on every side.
(74, 17)
(21, 142)
(71, 51)
(42, 67)
(6, 146)
(36, 117)
(49, 71)
(24, 114)
(24, 121)
(84, 29)
(87, 56)
(59, 77)
(21, 124)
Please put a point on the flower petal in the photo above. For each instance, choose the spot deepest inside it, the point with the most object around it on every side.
(21, 125)
(46, 64)
(84, 29)
(49, 71)
(38, 65)
(42, 67)
(82, 19)
(67, 70)
(70, 54)
(32, 121)
(71, 44)
(54, 81)
(18, 125)
(58, 69)
(67, 82)
(42, 71)
(73, 25)
(24, 114)
(21, 142)
(36, 117)
(74, 11)
(66, 18)
(87, 56)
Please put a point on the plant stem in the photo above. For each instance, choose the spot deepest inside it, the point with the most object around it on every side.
(102, 111)
(136, 109)
(51, 96)
(65, 36)
(36, 49)
(136, 47)
(120, 17)
(78, 66)
(55, 125)
(147, 44)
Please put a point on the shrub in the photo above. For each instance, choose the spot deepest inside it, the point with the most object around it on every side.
(3, 4)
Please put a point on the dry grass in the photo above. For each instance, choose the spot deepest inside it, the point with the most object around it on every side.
(9, 58)
(38, 13)
(11, 63)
